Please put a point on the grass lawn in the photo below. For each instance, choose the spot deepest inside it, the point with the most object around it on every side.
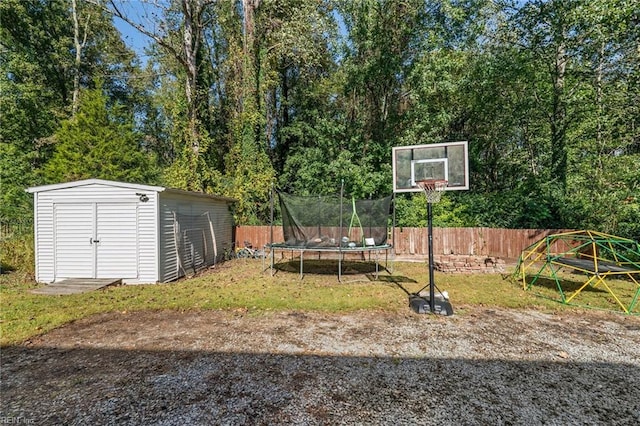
(241, 285)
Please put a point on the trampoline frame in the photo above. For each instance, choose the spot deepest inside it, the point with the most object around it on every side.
(341, 251)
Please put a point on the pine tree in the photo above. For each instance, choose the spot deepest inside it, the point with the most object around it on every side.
(99, 142)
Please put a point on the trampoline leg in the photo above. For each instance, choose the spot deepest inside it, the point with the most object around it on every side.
(272, 255)
(301, 264)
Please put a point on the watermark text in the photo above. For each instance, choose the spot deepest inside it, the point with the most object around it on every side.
(16, 421)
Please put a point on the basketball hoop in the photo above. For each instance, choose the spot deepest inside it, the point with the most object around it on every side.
(432, 188)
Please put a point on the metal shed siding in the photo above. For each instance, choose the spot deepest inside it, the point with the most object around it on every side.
(43, 229)
(148, 240)
(223, 223)
(82, 194)
(168, 251)
(179, 206)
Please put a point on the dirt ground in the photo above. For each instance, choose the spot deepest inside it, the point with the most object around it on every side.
(481, 366)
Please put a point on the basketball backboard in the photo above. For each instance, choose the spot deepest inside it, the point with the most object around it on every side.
(442, 161)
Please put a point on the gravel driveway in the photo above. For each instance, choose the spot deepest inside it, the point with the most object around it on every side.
(481, 366)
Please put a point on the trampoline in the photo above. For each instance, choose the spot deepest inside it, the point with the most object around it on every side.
(597, 256)
(336, 226)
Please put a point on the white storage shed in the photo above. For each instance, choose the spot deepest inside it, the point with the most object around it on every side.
(140, 233)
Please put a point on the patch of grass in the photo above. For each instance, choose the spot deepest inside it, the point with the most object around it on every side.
(241, 284)
(597, 295)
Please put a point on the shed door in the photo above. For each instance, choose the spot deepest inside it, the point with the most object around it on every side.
(117, 235)
(96, 240)
(74, 255)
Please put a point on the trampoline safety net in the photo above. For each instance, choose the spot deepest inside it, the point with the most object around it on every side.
(310, 222)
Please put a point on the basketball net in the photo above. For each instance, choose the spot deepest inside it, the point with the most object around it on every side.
(432, 188)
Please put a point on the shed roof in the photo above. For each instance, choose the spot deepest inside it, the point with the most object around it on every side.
(135, 186)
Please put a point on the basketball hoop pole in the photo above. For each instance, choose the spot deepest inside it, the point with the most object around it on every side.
(433, 189)
(432, 287)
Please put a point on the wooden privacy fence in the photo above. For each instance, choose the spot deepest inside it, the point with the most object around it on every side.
(408, 242)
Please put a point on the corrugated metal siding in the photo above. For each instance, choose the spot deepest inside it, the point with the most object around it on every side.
(204, 230)
(168, 262)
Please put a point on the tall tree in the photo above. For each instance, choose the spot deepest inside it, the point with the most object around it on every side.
(294, 60)
(548, 34)
(604, 160)
(248, 172)
(353, 110)
(32, 96)
(180, 35)
(99, 142)
(380, 53)
(40, 72)
(79, 42)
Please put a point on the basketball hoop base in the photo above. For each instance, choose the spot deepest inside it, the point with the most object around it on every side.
(421, 305)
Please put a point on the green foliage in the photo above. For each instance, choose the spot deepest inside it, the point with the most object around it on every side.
(36, 37)
(438, 97)
(37, 69)
(17, 253)
(608, 198)
(31, 95)
(99, 142)
(311, 171)
(508, 209)
(379, 54)
(249, 179)
(190, 172)
(15, 175)
(411, 211)
(310, 94)
(189, 169)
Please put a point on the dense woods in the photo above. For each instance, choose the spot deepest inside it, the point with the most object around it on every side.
(234, 97)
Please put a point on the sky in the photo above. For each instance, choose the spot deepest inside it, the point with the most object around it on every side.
(139, 11)
(132, 37)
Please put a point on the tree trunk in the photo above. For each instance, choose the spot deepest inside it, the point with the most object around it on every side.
(249, 75)
(185, 52)
(558, 120)
(191, 40)
(600, 142)
(78, 59)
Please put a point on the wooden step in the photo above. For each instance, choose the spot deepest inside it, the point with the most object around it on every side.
(76, 285)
